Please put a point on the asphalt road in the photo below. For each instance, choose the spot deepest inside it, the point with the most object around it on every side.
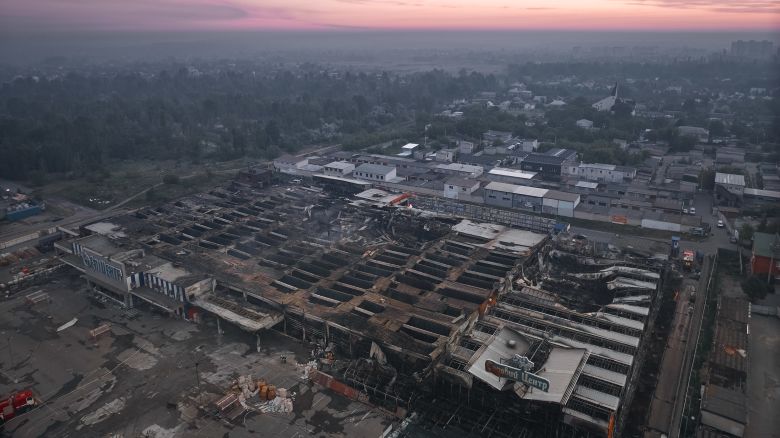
(670, 393)
(665, 397)
(685, 371)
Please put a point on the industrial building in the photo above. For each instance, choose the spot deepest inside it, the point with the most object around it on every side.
(550, 164)
(608, 173)
(724, 401)
(531, 198)
(730, 182)
(476, 328)
(338, 168)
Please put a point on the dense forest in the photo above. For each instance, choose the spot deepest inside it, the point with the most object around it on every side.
(77, 122)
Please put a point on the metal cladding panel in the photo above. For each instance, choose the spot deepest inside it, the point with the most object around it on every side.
(103, 268)
(660, 225)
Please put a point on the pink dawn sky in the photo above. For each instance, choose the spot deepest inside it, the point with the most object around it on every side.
(193, 15)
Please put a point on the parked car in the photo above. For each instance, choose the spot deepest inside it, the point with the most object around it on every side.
(693, 210)
(685, 211)
(721, 224)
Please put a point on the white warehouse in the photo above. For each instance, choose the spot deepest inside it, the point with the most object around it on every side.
(602, 172)
(374, 172)
(338, 168)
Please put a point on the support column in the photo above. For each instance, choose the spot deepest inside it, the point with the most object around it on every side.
(257, 341)
(219, 327)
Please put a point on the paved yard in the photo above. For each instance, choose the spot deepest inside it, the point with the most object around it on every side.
(140, 378)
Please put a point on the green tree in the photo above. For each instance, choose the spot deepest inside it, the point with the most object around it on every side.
(746, 232)
(756, 288)
(716, 128)
(272, 132)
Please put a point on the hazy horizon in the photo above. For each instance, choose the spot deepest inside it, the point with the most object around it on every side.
(35, 29)
(17, 49)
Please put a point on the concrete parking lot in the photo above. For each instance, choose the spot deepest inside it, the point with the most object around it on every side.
(140, 378)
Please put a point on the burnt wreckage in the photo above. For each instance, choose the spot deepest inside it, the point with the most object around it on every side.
(464, 328)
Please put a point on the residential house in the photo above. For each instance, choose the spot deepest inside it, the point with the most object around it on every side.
(446, 155)
(466, 147)
(584, 124)
(492, 137)
(700, 134)
(408, 149)
(527, 144)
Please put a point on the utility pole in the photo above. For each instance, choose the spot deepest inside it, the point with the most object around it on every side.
(197, 376)
(10, 351)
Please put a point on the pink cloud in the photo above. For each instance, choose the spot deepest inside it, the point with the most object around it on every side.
(39, 15)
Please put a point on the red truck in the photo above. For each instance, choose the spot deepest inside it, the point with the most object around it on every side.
(16, 404)
(687, 259)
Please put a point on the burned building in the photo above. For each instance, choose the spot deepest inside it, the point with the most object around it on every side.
(466, 328)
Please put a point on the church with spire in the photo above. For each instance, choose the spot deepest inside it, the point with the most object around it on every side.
(608, 102)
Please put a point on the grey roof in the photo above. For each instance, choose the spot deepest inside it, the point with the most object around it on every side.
(498, 348)
(562, 196)
(461, 181)
(482, 159)
(725, 403)
(553, 156)
(513, 173)
(339, 165)
(101, 245)
(519, 190)
(460, 167)
(558, 152)
(376, 169)
(287, 158)
(764, 244)
(587, 184)
(762, 193)
(729, 178)
(561, 369)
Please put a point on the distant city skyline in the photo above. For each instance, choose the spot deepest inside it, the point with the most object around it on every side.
(26, 16)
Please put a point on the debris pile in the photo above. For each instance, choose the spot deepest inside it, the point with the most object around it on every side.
(307, 368)
(248, 394)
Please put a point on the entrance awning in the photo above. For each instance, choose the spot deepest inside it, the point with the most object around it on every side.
(157, 299)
